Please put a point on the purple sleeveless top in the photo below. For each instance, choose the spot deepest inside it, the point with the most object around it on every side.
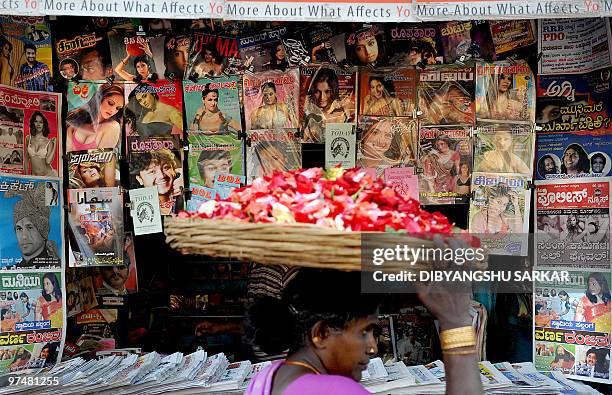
(308, 384)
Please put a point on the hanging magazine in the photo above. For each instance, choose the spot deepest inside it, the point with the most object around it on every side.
(504, 149)
(31, 218)
(387, 92)
(27, 53)
(153, 109)
(387, 142)
(84, 55)
(209, 155)
(93, 169)
(465, 39)
(271, 100)
(95, 226)
(512, 34)
(158, 162)
(273, 150)
(327, 94)
(95, 116)
(446, 95)
(499, 212)
(213, 106)
(573, 223)
(264, 51)
(30, 138)
(412, 44)
(176, 55)
(505, 92)
(212, 55)
(445, 157)
(137, 57)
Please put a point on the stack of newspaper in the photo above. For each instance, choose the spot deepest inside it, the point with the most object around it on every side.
(199, 373)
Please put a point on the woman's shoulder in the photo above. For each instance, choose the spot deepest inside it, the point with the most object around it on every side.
(325, 384)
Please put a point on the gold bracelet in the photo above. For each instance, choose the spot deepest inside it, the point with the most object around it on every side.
(466, 352)
(457, 337)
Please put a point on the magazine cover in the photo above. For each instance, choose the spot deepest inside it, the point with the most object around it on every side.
(153, 109)
(412, 44)
(446, 95)
(469, 39)
(511, 35)
(272, 150)
(31, 216)
(84, 56)
(158, 162)
(264, 51)
(209, 155)
(365, 45)
(584, 45)
(26, 53)
(404, 180)
(504, 148)
(387, 142)
(93, 169)
(340, 145)
(137, 57)
(327, 94)
(176, 55)
(30, 137)
(575, 102)
(573, 223)
(445, 155)
(95, 116)
(572, 326)
(318, 42)
(95, 226)
(499, 212)
(31, 320)
(505, 92)
(122, 279)
(573, 155)
(389, 92)
(212, 55)
(271, 100)
(213, 106)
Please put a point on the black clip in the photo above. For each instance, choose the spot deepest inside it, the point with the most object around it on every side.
(186, 147)
(110, 79)
(299, 134)
(529, 185)
(194, 77)
(422, 65)
(169, 76)
(127, 204)
(418, 170)
(539, 57)
(187, 194)
(248, 141)
(154, 78)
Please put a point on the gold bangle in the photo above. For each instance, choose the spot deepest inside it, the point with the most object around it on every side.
(466, 352)
(457, 337)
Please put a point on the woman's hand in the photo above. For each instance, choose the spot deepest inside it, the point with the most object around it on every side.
(146, 49)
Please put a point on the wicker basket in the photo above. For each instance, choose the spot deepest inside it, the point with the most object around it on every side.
(287, 244)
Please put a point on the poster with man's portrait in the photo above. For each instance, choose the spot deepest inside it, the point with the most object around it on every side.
(30, 219)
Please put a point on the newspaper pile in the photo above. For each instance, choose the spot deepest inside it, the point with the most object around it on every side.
(198, 373)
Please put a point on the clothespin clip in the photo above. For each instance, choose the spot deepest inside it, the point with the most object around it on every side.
(169, 76)
(529, 185)
(418, 170)
(186, 147)
(194, 77)
(248, 141)
(539, 57)
(110, 79)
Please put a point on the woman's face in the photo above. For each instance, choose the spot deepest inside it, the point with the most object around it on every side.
(111, 105)
(44, 353)
(6, 50)
(179, 57)
(465, 170)
(564, 297)
(571, 158)
(573, 221)
(377, 89)
(323, 94)
(269, 96)
(142, 68)
(210, 101)
(47, 286)
(504, 83)
(594, 287)
(503, 141)
(350, 349)
(90, 175)
(146, 100)
(208, 56)
(549, 113)
(442, 146)
(280, 53)
(379, 140)
(70, 301)
(498, 204)
(366, 49)
(39, 124)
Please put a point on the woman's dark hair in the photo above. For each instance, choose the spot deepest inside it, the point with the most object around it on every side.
(146, 60)
(213, 50)
(268, 84)
(4, 41)
(584, 164)
(207, 90)
(600, 156)
(57, 290)
(567, 304)
(603, 284)
(275, 64)
(351, 44)
(134, 112)
(46, 130)
(325, 75)
(90, 110)
(388, 85)
(331, 297)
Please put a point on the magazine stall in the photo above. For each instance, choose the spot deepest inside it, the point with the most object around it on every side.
(112, 126)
